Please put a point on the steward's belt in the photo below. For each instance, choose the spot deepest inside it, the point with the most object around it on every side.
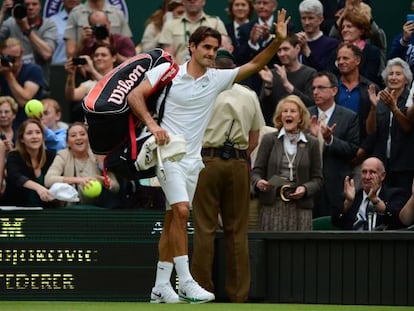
(216, 152)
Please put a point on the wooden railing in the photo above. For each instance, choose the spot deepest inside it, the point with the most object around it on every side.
(94, 254)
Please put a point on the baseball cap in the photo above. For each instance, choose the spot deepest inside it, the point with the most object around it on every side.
(225, 54)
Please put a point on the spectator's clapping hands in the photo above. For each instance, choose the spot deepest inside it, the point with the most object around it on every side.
(314, 126)
(265, 32)
(375, 185)
(327, 131)
(303, 42)
(349, 189)
(259, 32)
(373, 96)
(266, 75)
(256, 33)
(389, 98)
(281, 72)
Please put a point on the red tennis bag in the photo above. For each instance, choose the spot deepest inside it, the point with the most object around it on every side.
(112, 127)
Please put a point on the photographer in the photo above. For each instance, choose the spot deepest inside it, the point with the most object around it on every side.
(101, 62)
(98, 32)
(38, 35)
(80, 16)
(18, 80)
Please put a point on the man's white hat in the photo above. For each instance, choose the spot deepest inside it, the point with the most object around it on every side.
(64, 192)
(151, 154)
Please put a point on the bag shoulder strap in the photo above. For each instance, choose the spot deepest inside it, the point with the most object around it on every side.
(162, 105)
(165, 81)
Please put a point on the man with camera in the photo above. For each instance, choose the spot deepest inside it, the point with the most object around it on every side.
(79, 18)
(18, 80)
(38, 35)
(99, 31)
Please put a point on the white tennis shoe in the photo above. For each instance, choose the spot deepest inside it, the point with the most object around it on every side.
(164, 294)
(191, 292)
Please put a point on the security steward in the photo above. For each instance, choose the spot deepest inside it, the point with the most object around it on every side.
(223, 186)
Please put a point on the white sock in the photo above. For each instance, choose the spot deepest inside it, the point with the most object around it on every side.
(164, 270)
(182, 268)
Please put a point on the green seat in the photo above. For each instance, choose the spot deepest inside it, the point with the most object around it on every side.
(323, 223)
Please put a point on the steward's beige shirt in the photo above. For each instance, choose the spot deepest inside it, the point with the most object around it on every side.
(176, 33)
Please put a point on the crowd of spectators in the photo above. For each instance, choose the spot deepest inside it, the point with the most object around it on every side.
(335, 62)
(323, 130)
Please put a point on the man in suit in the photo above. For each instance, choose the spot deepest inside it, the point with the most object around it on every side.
(255, 36)
(338, 130)
(373, 207)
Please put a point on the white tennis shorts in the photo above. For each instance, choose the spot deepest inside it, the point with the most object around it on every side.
(180, 180)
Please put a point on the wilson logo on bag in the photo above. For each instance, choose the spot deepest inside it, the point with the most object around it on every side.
(111, 123)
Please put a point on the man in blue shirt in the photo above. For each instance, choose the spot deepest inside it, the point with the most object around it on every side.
(18, 80)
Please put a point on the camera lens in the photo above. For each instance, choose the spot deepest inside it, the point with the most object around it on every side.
(6, 60)
(100, 32)
(19, 11)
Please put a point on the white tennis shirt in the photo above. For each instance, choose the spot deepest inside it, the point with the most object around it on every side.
(190, 102)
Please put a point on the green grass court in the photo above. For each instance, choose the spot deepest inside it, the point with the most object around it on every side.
(138, 306)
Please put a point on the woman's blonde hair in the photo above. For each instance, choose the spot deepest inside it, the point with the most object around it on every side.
(12, 103)
(303, 111)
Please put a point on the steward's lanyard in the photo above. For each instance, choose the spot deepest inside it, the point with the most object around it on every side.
(187, 32)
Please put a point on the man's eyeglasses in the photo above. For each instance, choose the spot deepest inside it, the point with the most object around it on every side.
(321, 88)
